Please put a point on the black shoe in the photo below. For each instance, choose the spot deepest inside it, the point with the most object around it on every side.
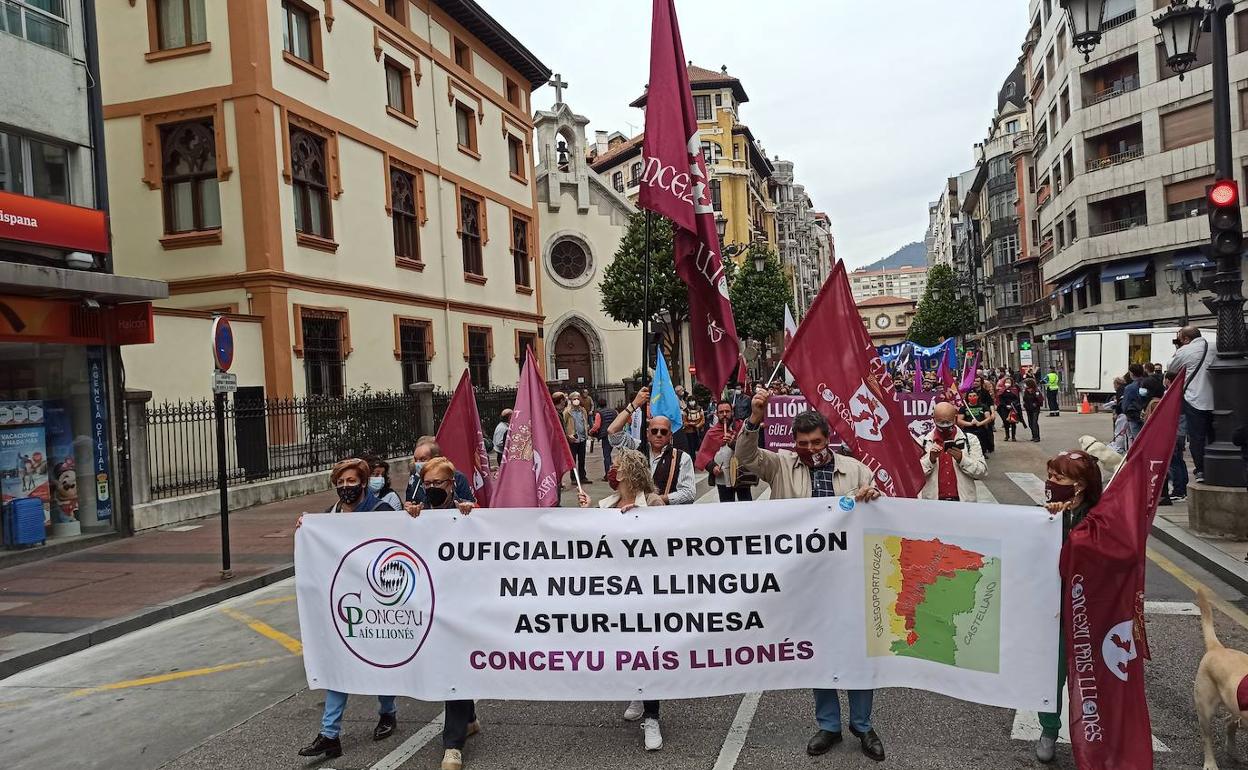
(872, 746)
(385, 727)
(822, 741)
(330, 747)
(1165, 501)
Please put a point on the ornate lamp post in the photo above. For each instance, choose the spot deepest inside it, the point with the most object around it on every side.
(1180, 26)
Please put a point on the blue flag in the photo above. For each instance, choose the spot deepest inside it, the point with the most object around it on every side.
(663, 401)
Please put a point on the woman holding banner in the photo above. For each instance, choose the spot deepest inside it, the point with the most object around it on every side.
(1072, 488)
(633, 488)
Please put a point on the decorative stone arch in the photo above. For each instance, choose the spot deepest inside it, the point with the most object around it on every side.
(572, 320)
(591, 269)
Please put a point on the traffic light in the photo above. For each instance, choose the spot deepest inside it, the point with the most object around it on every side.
(1225, 229)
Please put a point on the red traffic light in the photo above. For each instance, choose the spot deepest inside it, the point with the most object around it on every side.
(1224, 193)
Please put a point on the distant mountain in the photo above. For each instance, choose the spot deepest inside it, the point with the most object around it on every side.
(910, 255)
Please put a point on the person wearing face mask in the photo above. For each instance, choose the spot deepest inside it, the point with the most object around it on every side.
(694, 420)
(633, 487)
(438, 477)
(1010, 407)
(716, 457)
(379, 483)
(976, 418)
(1133, 401)
(671, 469)
(814, 470)
(576, 422)
(1033, 402)
(427, 448)
(349, 478)
(1072, 489)
(952, 459)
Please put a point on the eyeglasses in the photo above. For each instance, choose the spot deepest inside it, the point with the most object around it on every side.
(660, 432)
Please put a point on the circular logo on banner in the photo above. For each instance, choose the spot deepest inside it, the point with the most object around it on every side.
(381, 599)
(847, 503)
(222, 343)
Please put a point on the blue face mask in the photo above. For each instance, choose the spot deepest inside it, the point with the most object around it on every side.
(1144, 392)
(416, 468)
(375, 483)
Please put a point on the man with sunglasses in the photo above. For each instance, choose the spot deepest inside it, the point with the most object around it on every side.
(672, 468)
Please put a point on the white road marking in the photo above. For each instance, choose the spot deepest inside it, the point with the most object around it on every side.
(734, 741)
(183, 528)
(1027, 728)
(1031, 484)
(408, 748)
(983, 494)
(1171, 608)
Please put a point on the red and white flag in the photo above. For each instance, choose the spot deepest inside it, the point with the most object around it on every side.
(537, 452)
(675, 185)
(462, 442)
(843, 376)
(1103, 602)
(790, 326)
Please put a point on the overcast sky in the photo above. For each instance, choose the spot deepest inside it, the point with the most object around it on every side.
(876, 103)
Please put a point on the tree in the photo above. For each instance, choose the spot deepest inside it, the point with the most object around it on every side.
(758, 299)
(943, 312)
(622, 282)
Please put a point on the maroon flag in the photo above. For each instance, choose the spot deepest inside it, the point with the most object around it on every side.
(675, 185)
(1103, 602)
(844, 377)
(537, 452)
(462, 441)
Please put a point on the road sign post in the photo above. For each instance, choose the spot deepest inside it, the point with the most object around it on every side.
(222, 383)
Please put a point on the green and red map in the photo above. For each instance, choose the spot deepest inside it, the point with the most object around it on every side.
(933, 600)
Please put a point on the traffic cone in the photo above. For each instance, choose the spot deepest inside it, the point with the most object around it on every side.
(1085, 407)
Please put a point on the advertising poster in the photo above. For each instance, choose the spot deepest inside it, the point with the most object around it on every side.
(97, 395)
(63, 473)
(23, 458)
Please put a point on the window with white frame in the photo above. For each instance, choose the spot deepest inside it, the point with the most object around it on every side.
(34, 167)
(42, 22)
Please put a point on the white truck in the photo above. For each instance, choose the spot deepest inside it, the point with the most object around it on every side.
(1102, 356)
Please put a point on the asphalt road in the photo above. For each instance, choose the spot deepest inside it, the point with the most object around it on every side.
(224, 688)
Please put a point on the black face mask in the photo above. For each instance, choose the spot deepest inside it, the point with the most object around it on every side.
(351, 493)
(436, 497)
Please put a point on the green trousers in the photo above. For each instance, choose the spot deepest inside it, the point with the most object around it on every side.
(1051, 721)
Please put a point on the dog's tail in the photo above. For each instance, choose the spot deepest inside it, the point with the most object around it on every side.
(1206, 621)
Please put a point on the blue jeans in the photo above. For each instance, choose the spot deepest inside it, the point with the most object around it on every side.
(828, 710)
(606, 456)
(336, 703)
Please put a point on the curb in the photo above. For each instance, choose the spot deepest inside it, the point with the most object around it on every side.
(111, 629)
(1226, 568)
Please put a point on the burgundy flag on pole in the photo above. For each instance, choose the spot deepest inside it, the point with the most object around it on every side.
(843, 375)
(675, 185)
(462, 441)
(537, 453)
(1103, 602)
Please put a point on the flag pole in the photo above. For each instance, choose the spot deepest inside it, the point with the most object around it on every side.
(645, 302)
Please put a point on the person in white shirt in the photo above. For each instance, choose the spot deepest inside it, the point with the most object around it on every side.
(633, 488)
(500, 434)
(671, 468)
(1195, 355)
(952, 459)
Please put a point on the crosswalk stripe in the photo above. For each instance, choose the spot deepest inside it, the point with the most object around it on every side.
(734, 741)
(1031, 485)
(408, 748)
(1171, 608)
(1027, 728)
(983, 494)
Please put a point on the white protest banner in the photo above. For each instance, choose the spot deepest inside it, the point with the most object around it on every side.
(684, 602)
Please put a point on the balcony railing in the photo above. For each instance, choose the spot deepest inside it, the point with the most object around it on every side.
(1040, 143)
(1117, 226)
(1118, 20)
(1096, 164)
(1001, 182)
(1046, 247)
(1126, 85)
(1043, 195)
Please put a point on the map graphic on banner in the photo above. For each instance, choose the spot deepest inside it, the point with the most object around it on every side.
(934, 600)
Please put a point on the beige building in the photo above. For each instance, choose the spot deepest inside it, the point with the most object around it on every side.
(351, 179)
(905, 282)
(582, 219)
(887, 318)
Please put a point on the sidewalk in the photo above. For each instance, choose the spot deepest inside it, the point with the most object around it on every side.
(59, 605)
(1226, 559)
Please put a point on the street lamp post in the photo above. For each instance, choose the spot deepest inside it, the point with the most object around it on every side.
(1180, 27)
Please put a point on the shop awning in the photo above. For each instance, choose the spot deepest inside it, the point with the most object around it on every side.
(1121, 271)
(1064, 334)
(59, 282)
(1074, 284)
(1191, 259)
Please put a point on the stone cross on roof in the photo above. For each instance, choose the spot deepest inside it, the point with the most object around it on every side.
(558, 82)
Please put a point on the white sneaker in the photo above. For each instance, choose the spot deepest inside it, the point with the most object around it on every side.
(634, 711)
(452, 759)
(654, 738)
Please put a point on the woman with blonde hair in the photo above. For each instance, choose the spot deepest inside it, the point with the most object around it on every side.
(634, 488)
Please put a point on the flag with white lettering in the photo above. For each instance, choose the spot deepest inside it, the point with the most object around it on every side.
(462, 441)
(675, 185)
(1103, 601)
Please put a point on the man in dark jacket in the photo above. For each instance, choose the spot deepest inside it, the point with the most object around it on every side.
(1133, 401)
(602, 420)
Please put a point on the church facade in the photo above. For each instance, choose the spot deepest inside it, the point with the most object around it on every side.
(581, 220)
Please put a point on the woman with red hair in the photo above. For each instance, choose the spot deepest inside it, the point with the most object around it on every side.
(1073, 487)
